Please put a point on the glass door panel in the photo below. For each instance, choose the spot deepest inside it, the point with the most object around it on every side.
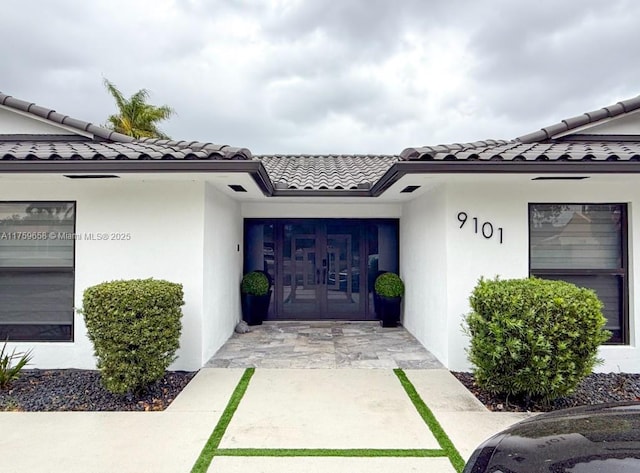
(301, 274)
(343, 297)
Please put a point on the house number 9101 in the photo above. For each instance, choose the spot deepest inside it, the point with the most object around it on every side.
(486, 229)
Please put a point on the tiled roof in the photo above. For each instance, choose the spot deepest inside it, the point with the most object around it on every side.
(518, 151)
(428, 152)
(146, 148)
(619, 108)
(100, 150)
(326, 172)
(52, 115)
(290, 174)
(540, 145)
(202, 148)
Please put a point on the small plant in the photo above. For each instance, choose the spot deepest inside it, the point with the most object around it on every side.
(533, 338)
(389, 285)
(11, 365)
(255, 283)
(135, 329)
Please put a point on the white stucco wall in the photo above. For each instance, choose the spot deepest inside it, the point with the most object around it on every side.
(222, 270)
(627, 124)
(470, 255)
(165, 221)
(189, 232)
(12, 122)
(423, 267)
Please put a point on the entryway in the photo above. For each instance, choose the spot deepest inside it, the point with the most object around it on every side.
(323, 344)
(322, 269)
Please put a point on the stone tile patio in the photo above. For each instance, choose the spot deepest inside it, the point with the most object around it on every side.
(324, 344)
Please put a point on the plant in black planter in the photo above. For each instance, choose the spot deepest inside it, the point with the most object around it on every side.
(255, 293)
(389, 289)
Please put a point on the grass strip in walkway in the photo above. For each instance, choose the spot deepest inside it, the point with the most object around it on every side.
(435, 427)
(209, 450)
(328, 452)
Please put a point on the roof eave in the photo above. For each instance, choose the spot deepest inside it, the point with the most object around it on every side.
(251, 167)
(402, 168)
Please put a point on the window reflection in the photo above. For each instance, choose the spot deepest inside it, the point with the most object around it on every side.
(36, 270)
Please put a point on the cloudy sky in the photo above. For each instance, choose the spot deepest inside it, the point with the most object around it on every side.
(327, 76)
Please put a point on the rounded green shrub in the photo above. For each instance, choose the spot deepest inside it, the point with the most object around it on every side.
(255, 283)
(135, 329)
(533, 338)
(389, 285)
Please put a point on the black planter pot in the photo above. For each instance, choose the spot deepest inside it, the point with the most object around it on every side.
(255, 308)
(388, 310)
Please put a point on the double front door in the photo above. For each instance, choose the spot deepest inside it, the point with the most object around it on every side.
(321, 268)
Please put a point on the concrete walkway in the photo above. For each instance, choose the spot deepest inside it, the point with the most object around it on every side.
(339, 416)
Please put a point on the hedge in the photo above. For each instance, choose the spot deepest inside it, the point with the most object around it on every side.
(135, 329)
(533, 338)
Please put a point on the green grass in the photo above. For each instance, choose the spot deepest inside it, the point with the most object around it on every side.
(328, 452)
(435, 427)
(209, 450)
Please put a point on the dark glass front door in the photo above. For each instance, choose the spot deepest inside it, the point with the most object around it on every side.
(344, 270)
(299, 291)
(322, 268)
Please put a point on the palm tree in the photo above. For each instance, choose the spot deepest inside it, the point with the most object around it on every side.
(135, 116)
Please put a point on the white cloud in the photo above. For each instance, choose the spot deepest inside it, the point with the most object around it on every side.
(295, 76)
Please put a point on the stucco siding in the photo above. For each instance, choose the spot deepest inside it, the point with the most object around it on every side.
(470, 255)
(13, 122)
(621, 125)
(165, 224)
(222, 270)
(423, 267)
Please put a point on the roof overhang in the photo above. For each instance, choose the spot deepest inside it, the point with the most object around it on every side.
(258, 173)
(254, 168)
(402, 168)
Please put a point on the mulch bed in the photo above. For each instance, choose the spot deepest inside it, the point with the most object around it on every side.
(597, 388)
(81, 390)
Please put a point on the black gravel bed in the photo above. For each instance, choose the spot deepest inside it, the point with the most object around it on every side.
(597, 388)
(82, 390)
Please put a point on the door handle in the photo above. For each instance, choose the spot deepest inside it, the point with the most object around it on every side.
(317, 276)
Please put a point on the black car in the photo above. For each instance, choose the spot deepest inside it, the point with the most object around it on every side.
(603, 438)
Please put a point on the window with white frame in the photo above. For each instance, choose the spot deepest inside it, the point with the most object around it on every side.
(584, 244)
(37, 242)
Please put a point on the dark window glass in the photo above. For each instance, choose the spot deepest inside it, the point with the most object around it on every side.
(584, 244)
(259, 251)
(36, 270)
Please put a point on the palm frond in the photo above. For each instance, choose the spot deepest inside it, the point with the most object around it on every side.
(115, 93)
(135, 116)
